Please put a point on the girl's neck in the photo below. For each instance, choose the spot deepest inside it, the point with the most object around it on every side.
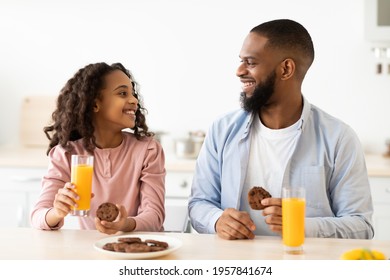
(106, 140)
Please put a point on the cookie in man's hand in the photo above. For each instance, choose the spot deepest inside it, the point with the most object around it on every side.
(256, 195)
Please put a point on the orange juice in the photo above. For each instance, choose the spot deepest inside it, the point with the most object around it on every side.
(82, 179)
(293, 221)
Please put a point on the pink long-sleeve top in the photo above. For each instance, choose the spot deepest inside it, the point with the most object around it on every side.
(132, 174)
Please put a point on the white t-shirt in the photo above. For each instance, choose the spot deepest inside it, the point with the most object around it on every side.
(270, 150)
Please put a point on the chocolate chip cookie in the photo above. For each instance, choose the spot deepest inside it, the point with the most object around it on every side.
(107, 212)
(256, 195)
(135, 245)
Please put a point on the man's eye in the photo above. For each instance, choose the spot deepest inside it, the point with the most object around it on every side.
(248, 62)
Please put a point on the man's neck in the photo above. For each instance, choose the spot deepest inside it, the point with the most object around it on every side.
(281, 115)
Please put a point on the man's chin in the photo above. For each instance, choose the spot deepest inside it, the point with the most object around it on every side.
(248, 94)
(244, 96)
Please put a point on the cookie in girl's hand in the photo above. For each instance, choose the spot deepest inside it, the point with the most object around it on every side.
(107, 212)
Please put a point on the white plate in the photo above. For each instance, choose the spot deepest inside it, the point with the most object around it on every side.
(173, 245)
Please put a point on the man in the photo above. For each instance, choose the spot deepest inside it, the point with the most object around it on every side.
(279, 139)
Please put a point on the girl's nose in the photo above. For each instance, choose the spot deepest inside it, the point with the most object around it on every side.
(133, 99)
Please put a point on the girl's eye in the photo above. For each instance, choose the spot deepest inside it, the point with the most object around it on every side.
(123, 93)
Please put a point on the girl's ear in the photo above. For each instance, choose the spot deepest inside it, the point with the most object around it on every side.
(96, 107)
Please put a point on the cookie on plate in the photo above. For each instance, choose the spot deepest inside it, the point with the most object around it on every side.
(107, 212)
(156, 243)
(130, 240)
(137, 248)
(256, 195)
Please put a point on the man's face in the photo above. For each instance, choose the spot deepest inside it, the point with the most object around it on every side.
(261, 94)
(256, 72)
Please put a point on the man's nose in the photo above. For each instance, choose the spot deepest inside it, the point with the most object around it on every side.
(241, 70)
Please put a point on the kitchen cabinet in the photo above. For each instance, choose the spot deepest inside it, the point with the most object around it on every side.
(178, 184)
(12, 204)
(19, 191)
(380, 191)
(177, 191)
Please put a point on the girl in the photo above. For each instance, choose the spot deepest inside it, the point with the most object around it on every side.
(93, 109)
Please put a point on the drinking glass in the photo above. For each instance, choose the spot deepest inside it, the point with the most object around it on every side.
(81, 177)
(293, 219)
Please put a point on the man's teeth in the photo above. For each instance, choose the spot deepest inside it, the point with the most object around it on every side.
(248, 84)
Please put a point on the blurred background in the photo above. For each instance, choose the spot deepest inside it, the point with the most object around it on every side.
(184, 55)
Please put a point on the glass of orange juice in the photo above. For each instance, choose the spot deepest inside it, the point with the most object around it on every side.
(81, 177)
(293, 219)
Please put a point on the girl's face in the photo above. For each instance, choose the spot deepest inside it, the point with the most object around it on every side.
(116, 107)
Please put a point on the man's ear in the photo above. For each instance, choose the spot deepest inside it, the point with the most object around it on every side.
(287, 68)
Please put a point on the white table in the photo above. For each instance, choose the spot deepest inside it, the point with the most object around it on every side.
(30, 244)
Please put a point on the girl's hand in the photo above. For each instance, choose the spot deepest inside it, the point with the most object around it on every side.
(63, 201)
(121, 223)
(65, 198)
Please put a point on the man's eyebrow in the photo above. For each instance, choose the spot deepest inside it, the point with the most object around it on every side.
(247, 57)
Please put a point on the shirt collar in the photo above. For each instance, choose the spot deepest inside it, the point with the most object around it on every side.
(304, 117)
(305, 113)
(249, 121)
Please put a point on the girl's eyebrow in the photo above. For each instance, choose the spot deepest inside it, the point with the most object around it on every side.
(121, 86)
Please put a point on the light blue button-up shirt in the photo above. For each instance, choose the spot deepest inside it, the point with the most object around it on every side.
(328, 162)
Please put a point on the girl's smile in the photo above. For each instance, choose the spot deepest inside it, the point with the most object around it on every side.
(117, 106)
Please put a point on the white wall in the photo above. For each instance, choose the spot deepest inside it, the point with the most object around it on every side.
(184, 54)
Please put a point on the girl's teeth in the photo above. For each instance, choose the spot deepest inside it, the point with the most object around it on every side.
(129, 112)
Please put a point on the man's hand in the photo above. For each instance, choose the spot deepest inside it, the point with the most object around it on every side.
(273, 213)
(234, 224)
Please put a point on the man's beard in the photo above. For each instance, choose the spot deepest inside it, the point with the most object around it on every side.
(261, 95)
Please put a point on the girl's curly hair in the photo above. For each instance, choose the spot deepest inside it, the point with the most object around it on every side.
(72, 119)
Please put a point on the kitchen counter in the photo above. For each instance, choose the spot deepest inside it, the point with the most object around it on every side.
(23, 157)
(377, 165)
(29, 244)
(36, 158)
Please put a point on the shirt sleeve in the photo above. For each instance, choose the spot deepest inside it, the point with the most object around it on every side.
(349, 195)
(57, 175)
(151, 212)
